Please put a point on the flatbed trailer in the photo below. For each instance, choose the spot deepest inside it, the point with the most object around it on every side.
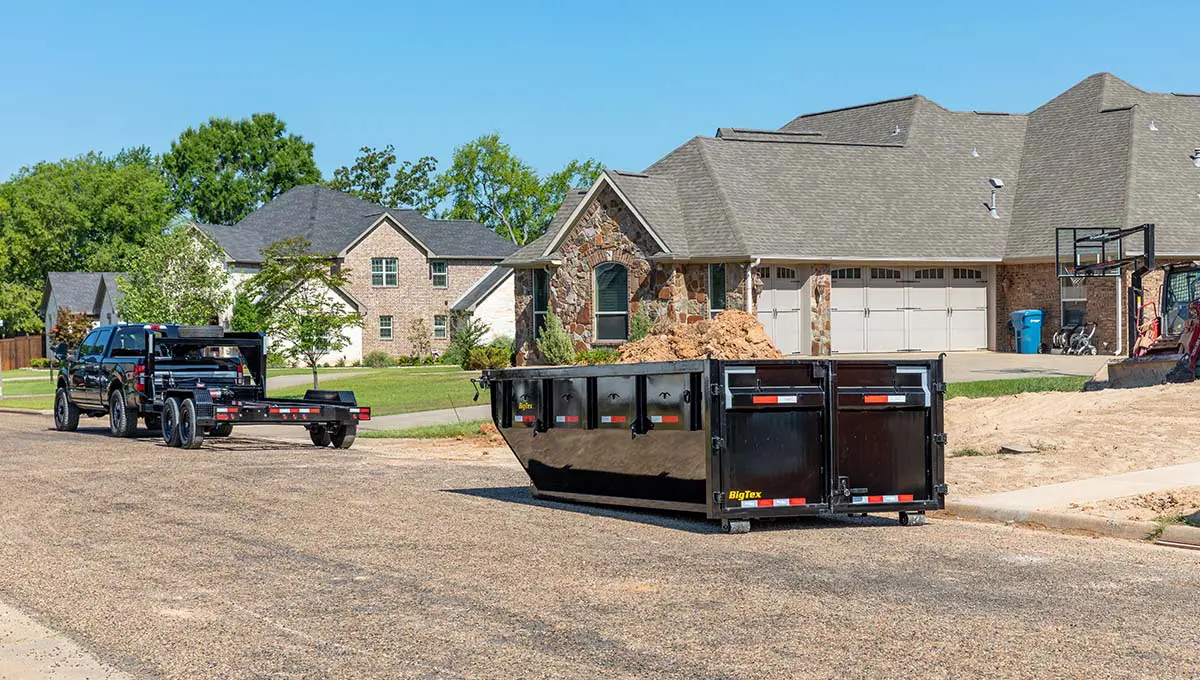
(737, 441)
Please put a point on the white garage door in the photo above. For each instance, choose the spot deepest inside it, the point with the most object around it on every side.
(895, 309)
(782, 307)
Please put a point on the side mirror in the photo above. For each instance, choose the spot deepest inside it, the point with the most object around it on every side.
(60, 351)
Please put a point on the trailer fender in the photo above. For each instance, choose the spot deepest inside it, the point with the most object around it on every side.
(203, 400)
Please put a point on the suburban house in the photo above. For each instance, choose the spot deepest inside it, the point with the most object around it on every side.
(893, 226)
(403, 266)
(91, 293)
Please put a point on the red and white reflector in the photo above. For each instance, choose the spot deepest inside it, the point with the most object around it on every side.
(774, 399)
(566, 419)
(884, 399)
(773, 502)
(361, 413)
(295, 410)
(524, 419)
(664, 419)
(612, 419)
(226, 409)
(895, 498)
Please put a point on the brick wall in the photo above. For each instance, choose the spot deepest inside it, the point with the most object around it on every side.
(1036, 286)
(414, 297)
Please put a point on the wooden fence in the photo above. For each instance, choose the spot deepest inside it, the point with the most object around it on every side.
(18, 352)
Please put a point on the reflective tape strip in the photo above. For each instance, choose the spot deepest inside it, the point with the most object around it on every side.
(774, 502)
(227, 409)
(566, 419)
(884, 399)
(524, 419)
(896, 498)
(612, 419)
(773, 399)
(664, 419)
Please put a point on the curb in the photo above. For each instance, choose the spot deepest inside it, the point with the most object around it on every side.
(1175, 535)
(26, 411)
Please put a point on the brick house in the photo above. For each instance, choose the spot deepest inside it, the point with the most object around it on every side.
(403, 266)
(874, 228)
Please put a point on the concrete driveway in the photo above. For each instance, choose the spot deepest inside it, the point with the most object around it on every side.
(971, 366)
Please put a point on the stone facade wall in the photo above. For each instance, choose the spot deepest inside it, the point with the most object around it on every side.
(820, 294)
(414, 297)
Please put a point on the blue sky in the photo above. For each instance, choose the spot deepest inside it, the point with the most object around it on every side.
(623, 82)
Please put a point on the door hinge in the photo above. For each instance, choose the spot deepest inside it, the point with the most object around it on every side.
(939, 387)
(941, 488)
(939, 438)
(715, 389)
(718, 497)
(718, 444)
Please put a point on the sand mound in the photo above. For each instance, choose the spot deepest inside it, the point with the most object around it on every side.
(732, 334)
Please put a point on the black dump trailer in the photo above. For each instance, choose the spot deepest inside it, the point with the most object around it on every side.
(198, 392)
(736, 440)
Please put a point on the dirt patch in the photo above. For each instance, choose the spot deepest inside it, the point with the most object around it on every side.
(732, 334)
(1148, 507)
(1075, 435)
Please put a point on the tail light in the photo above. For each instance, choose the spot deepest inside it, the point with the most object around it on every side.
(139, 378)
(241, 378)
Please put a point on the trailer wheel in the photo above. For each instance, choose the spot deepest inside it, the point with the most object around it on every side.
(220, 430)
(736, 526)
(342, 436)
(170, 422)
(320, 436)
(66, 414)
(121, 423)
(913, 519)
(190, 435)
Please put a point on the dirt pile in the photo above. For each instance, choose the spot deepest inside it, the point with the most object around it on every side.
(1154, 506)
(732, 334)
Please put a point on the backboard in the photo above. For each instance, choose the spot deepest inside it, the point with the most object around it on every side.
(1099, 252)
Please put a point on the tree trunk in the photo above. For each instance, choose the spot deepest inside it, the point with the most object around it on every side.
(314, 370)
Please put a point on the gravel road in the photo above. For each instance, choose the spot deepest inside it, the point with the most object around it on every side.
(402, 560)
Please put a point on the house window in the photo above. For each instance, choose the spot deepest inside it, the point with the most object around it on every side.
(385, 328)
(439, 274)
(439, 326)
(933, 273)
(612, 302)
(541, 300)
(383, 272)
(968, 274)
(716, 289)
(881, 273)
(846, 273)
(1073, 294)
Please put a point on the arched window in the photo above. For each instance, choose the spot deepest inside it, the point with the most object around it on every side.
(612, 302)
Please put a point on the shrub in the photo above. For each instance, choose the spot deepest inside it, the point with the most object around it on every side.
(246, 317)
(378, 359)
(505, 341)
(276, 360)
(431, 360)
(71, 328)
(640, 325)
(419, 334)
(483, 358)
(466, 336)
(597, 356)
(39, 362)
(555, 345)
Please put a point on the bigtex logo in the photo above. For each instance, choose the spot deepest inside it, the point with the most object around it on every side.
(744, 495)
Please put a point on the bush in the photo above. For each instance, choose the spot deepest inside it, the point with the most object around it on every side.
(555, 345)
(276, 360)
(640, 325)
(466, 336)
(597, 356)
(483, 358)
(246, 317)
(505, 341)
(38, 362)
(378, 359)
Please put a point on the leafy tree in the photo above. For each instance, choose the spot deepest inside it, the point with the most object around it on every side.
(18, 309)
(487, 183)
(555, 344)
(299, 313)
(418, 338)
(70, 328)
(175, 278)
(372, 178)
(224, 169)
(79, 214)
(245, 317)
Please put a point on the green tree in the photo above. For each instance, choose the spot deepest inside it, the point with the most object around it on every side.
(77, 214)
(18, 309)
(304, 319)
(245, 317)
(555, 344)
(372, 177)
(177, 277)
(487, 183)
(224, 169)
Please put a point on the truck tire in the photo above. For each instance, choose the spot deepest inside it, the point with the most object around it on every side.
(320, 435)
(342, 436)
(121, 421)
(190, 435)
(220, 430)
(170, 422)
(66, 414)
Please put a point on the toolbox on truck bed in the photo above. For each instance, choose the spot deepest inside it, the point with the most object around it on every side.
(734, 439)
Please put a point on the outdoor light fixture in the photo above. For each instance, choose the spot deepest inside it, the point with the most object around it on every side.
(1153, 127)
(895, 130)
(974, 152)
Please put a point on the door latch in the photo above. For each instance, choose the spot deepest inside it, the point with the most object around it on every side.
(939, 438)
(718, 444)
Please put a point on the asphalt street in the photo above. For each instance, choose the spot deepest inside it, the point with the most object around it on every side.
(254, 559)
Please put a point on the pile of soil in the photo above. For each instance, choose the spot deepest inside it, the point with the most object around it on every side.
(732, 334)
(1151, 506)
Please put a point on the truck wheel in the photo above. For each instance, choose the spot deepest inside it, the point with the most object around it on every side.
(190, 435)
(170, 422)
(913, 519)
(320, 436)
(343, 436)
(121, 423)
(220, 430)
(66, 414)
(736, 526)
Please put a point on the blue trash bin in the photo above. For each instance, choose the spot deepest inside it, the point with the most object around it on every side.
(1027, 325)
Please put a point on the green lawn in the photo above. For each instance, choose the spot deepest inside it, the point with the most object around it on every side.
(389, 391)
(32, 403)
(14, 388)
(998, 388)
(469, 428)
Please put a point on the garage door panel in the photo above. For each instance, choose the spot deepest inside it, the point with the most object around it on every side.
(787, 331)
(885, 331)
(848, 330)
(968, 295)
(968, 329)
(928, 329)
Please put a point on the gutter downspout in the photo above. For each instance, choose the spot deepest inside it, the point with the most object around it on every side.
(750, 284)
(1120, 282)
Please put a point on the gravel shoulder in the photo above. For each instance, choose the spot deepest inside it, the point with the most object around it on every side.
(418, 559)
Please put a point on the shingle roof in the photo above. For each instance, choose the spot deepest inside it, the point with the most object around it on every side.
(907, 178)
(77, 291)
(482, 288)
(332, 220)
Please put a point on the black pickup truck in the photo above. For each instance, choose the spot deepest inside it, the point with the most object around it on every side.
(190, 382)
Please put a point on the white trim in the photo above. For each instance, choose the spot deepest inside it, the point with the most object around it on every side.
(399, 227)
(604, 178)
(772, 259)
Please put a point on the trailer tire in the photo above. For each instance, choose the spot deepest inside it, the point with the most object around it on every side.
(170, 422)
(121, 423)
(736, 526)
(220, 430)
(320, 436)
(66, 414)
(913, 519)
(191, 436)
(342, 436)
